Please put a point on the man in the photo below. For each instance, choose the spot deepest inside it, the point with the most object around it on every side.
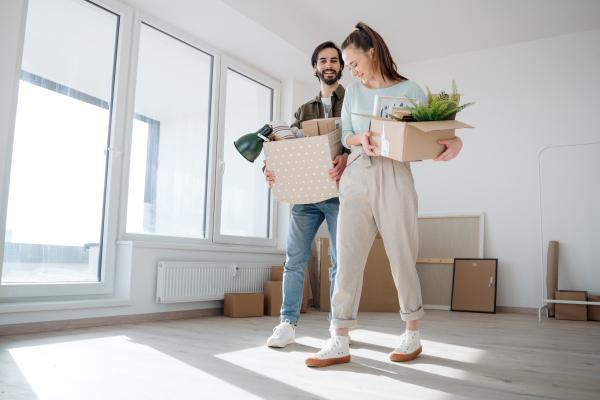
(306, 218)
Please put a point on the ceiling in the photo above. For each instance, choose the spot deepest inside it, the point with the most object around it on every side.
(277, 36)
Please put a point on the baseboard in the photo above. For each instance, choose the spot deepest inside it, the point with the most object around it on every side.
(35, 327)
(516, 310)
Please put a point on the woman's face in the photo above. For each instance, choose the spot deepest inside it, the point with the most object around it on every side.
(359, 63)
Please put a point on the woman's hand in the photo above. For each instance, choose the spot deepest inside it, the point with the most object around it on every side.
(362, 139)
(269, 177)
(336, 173)
(366, 144)
(453, 147)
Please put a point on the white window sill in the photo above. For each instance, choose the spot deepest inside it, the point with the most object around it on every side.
(61, 305)
(178, 246)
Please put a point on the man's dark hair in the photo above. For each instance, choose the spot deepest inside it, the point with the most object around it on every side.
(327, 45)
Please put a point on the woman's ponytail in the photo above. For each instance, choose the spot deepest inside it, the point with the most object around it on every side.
(363, 38)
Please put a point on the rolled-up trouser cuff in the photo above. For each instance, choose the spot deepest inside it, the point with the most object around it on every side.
(292, 319)
(343, 323)
(411, 316)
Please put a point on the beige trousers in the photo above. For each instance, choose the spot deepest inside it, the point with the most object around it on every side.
(376, 193)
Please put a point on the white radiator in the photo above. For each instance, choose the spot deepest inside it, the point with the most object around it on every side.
(193, 281)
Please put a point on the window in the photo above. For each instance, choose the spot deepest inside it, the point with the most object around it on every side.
(61, 155)
(169, 165)
(246, 211)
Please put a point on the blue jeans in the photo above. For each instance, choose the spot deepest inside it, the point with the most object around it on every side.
(306, 220)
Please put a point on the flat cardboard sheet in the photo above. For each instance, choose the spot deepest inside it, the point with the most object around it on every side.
(474, 285)
(301, 167)
(379, 292)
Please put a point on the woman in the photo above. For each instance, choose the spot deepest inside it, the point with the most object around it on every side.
(376, 193)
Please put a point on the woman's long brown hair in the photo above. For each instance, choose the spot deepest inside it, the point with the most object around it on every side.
(363, 38)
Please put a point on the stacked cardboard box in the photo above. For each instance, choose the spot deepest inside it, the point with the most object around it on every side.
(575, 312)
(273, 290)
(593, 310)
(321, 127)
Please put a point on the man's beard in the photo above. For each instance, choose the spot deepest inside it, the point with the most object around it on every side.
(332, 80)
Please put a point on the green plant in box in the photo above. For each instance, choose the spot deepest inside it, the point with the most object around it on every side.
(438, 108)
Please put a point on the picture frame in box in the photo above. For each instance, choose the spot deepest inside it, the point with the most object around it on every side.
(384, 104)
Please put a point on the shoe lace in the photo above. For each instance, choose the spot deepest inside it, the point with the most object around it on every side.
(282, 326)
(330, 344)
(403, 341)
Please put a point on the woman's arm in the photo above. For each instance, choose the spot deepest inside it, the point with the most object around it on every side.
(347, 130)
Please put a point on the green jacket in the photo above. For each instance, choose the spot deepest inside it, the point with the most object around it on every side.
(314, 108)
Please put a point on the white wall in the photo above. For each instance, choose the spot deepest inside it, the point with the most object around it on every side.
(529, 96)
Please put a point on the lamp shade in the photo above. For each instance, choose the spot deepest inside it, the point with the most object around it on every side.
(250, 145)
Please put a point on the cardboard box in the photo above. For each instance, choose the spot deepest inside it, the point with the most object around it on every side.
(379, 292)
(273, 297)
(593, 312)
(302, 167)
(320, 127)
(277, 276)
(240, 305)
(411, 141)
(575, 312)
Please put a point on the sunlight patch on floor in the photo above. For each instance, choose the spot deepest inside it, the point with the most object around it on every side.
(115, 367)
(375, 378)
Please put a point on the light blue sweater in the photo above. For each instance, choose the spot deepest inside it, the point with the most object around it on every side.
(359, 99)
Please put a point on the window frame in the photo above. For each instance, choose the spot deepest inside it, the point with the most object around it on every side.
(114, 165)
(143, 18)
(236, 66)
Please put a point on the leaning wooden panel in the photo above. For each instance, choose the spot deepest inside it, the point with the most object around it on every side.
(443, 238)
(436, 284)
(449, 236)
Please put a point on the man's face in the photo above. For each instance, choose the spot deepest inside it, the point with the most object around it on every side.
(328, 67)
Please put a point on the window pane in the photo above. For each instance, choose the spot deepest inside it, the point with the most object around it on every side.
(246, 197)
(169, 150)
(55, 204)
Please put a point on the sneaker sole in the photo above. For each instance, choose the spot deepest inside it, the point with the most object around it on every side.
(399, 357)
(280, 346)
(316, 363)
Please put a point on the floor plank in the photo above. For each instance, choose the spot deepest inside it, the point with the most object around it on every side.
(465, 355)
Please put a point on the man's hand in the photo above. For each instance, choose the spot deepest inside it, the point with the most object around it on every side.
(340, 165)
(269, 177)
(453, 147)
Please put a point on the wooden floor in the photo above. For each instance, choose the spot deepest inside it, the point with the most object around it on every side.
(465, 355)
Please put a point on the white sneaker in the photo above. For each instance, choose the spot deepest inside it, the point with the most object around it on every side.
(283, 334)
(334, 351)
(332, 331)
(408, 347)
